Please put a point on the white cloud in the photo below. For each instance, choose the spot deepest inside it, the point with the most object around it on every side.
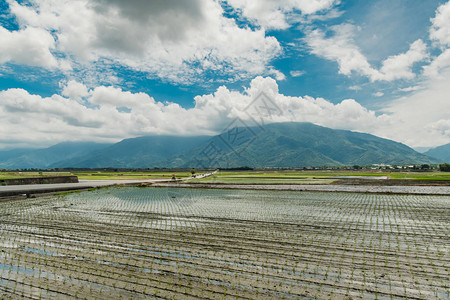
(297, 73)
(173, 40)
(331, 14)
(279, 76)
(30, 46)
(341, 47)
(400, 66)
(274, 14)
(421, 119)
(438, 65)
(378, 94)
(411, 88)
(440, 29)
(37, 120)
(74, 90)
(355, 88)
(441, 127)
(440, 34)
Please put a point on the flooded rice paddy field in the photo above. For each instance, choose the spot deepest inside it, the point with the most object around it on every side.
(169, 243)
(387, 189)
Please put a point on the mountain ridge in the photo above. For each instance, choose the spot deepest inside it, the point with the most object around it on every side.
(45, 157)
(304, 144)
(147, 152)
(289, 144)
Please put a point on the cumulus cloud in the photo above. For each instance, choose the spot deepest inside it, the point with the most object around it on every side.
(341, 47)
(440, 29)
(440, 35)
(173, 40)
(274, 14)
(39, 120)
(421, 119)
(74, 90)
(400, 66)
(30, 46)
(438, 64)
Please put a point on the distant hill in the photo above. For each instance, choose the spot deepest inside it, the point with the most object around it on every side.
(141, 152)
(273, 145)
(297, 144)
(45, 158)
(441, 153)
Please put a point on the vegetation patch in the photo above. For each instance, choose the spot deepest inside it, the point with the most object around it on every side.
(67, 193)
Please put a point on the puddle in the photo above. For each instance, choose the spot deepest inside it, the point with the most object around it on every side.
(43, 252)
(21, 270)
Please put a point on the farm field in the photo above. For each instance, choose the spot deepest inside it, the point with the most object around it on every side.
(315, 177)
(97, 175)
(15, 175)
(130, 175)
(180, 243)
(255, 177)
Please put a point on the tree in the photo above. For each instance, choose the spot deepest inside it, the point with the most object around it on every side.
(192, 171)
(444, 167)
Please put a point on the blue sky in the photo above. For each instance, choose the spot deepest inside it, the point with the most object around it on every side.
(104, 70)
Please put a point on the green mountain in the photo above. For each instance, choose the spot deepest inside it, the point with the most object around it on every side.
(296, 144)
(141, 152)
(272, 145)
(45, 158)
(441, 153)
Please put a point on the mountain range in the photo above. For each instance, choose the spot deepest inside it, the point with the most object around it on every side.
(441, 153)
(44, 158)
(272, 145)
(140, 152)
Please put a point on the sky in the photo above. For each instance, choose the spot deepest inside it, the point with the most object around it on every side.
(105, 70)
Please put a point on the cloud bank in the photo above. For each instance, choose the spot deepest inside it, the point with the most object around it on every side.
(109, 114)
